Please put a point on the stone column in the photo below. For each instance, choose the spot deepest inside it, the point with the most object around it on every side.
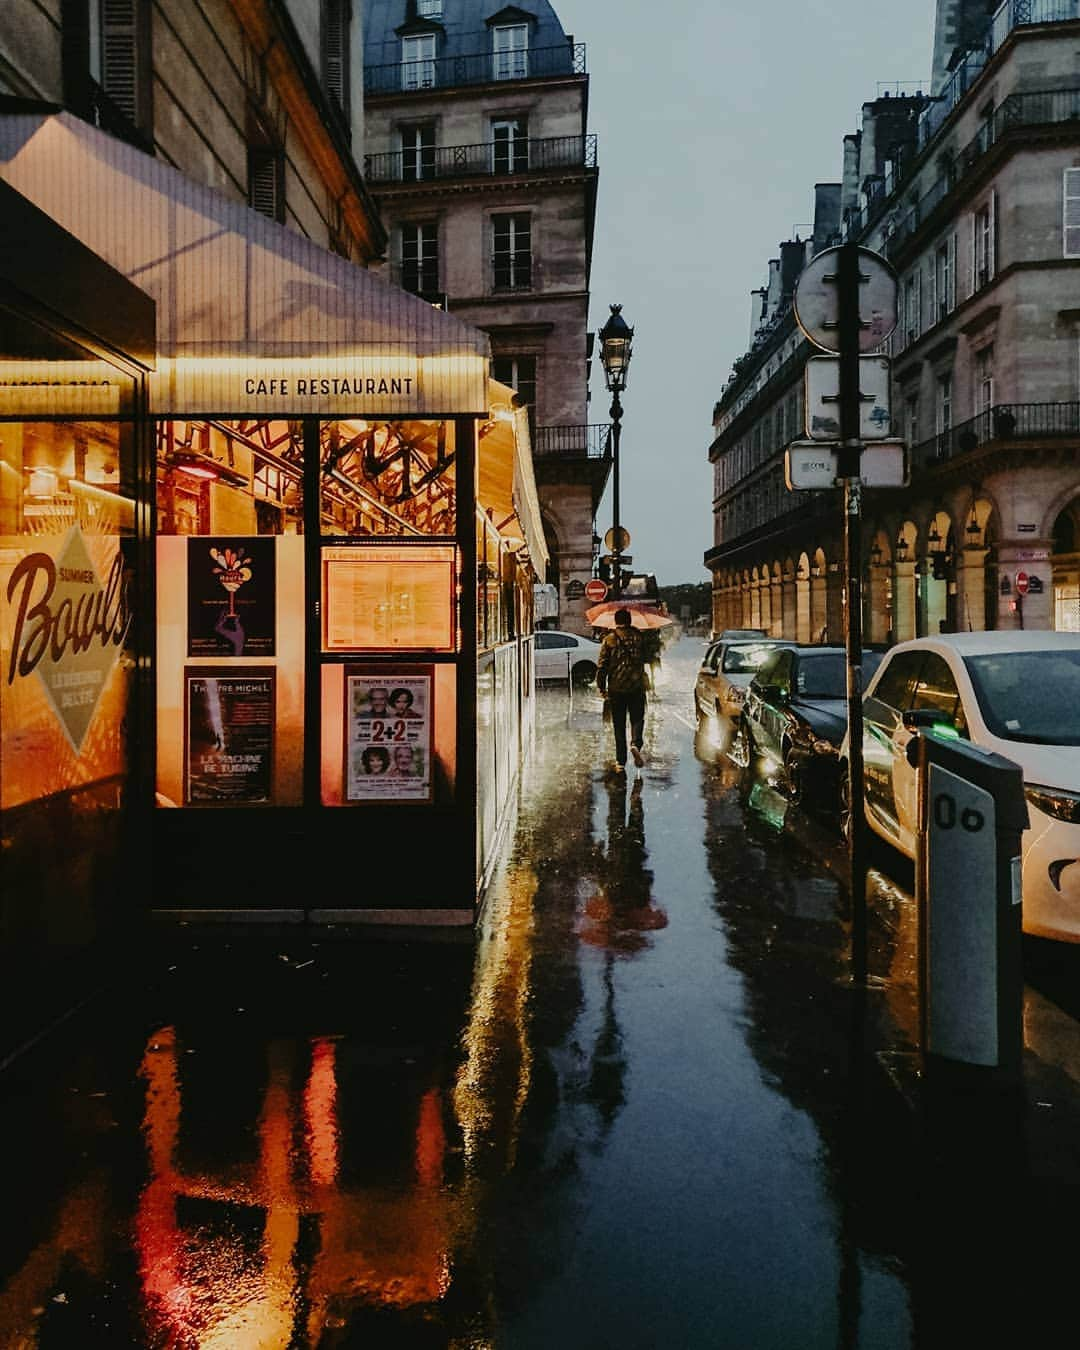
(878, 618)
(971, 590)
(776, 607)
(904, 581)
(789, 610)
(819, 617)
(765, 605)
(834, 605)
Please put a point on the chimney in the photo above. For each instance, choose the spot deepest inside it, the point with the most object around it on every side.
(792, 262)
(772, 292)
(757, 311)
(849, 189)
(960, 26)
(826, 214)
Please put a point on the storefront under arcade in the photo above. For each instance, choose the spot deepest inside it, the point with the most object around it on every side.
(334, 534)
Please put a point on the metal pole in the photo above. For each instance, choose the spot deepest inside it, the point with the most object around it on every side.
(616, 528)
(850, 456)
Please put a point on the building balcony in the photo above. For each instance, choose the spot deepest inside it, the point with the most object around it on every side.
(488, 160)
(1005, 423)
(572, 442)
(455, 72)
(1017, 113)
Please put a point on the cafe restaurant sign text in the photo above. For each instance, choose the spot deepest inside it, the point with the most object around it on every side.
(290, 386)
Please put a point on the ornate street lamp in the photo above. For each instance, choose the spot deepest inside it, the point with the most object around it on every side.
(616, 342)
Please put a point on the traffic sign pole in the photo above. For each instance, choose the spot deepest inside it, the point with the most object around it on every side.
(849, 463)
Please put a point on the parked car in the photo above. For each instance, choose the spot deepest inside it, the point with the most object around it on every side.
(727, 667)
(556, 653)
(1017, 693)
(795, 717)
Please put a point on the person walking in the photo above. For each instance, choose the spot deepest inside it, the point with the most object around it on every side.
(620, 676)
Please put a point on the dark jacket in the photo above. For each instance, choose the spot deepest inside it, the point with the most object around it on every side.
(620, 667)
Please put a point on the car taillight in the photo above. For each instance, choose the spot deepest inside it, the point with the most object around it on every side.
(1055, 802)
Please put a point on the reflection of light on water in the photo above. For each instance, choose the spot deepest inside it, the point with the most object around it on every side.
(320, 1114)
(766, 802)
(496, 1038)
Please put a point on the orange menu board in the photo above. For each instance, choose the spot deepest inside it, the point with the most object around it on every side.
(388, 598)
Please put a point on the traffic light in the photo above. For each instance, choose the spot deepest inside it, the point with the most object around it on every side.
(604, 570)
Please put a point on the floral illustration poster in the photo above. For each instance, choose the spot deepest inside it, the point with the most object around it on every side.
(231, 596)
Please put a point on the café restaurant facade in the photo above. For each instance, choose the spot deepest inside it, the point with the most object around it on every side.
(268, 536)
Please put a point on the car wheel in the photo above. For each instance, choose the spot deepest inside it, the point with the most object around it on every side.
(583, 673)
(794, 774)
(740, 749)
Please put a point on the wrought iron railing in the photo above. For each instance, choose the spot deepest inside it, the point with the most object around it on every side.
(1039, 108)
(448, 72)
(1012, 14)
(490, 159)
(590, 441)
(1003, 422)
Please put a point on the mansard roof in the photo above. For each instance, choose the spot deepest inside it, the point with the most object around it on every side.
(464, 24)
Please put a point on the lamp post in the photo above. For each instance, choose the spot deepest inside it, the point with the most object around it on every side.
(616, 341)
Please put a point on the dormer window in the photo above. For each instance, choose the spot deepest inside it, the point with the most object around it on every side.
(510, 51)
(429, 9)
(418, 61)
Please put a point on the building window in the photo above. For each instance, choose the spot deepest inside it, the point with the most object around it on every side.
(983, 246)
(944, 409)
(107, 63)
(420, 258)
(510, 53)
(418, 152)
(519, 372)
(944, 299)
(984, 379)
(912, 410)
(418, 61)
(266, 179)
(512, 253)
(510, 145)
(429, 9)
(1071, 214)
(912, 308)
(336, 20)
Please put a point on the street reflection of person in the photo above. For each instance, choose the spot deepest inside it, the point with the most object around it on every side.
(401, 701)
(375, 759)
(404, 763)
(378, 701)
(621, 678)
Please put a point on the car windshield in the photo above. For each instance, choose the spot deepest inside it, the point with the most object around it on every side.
(823, 676)
(1029, 696)
(744, 660)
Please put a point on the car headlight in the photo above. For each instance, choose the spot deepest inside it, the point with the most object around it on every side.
(1055, 802)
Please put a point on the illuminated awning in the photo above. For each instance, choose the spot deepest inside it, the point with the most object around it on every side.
(506, 486)
(253, 319)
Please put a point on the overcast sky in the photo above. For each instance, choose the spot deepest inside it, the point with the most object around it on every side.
(714, 122)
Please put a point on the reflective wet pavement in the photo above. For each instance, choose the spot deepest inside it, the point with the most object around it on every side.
(646, 1110)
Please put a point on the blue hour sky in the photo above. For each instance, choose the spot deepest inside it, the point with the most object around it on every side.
(714, 124)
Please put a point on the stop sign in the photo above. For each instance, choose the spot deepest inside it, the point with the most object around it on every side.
(1021, 583)
(595, 590)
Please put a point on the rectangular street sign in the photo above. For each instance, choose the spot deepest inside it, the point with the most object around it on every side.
(809, 465)
(822, 385)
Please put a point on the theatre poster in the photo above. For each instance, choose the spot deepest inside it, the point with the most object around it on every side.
(389, 722)
(228, 736)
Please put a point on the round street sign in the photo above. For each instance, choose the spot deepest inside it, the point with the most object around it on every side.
(817, 300)
(624, 540)
(595, 590)
(1022, 583)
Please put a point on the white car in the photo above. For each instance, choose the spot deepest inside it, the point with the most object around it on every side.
(558, 655)
(1017, 693)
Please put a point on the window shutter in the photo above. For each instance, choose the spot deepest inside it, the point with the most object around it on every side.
(991, 244)
(973, 261)
(1071, 214)
(950, 299)
(336, 17)
(264, 186)
(934, 311)
(119, 55)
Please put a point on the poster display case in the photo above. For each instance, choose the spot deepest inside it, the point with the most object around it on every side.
(380, 598)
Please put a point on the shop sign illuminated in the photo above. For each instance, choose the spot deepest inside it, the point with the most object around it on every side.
(69, 628)
(288, 385)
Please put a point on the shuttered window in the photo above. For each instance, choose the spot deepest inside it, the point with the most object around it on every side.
(336, 21)
(420, 258)
(266, 181)
(512, 253)
(120, 55)
(1071, 214)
